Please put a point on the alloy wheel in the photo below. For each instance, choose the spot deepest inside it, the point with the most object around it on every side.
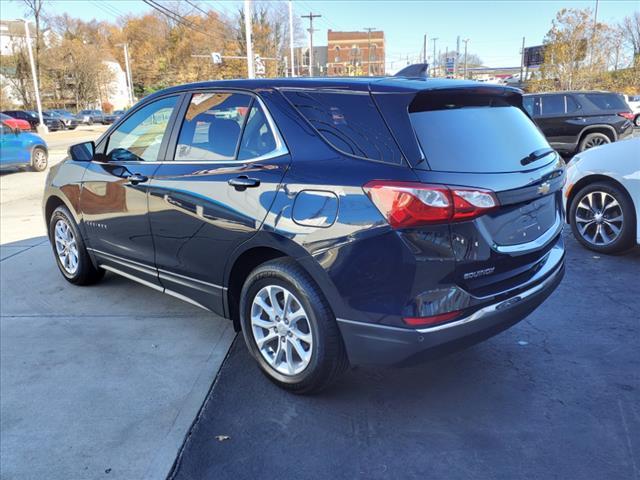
(281, 330)
(599, 218)
(39, 159)
(595, 142)
(66, 247)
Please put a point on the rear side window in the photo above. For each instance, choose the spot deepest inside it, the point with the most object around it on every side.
(572, 105)
(350, 122)
(257, 139)
(607, 101)
(553, 105)
(499, 138)
(212, 126)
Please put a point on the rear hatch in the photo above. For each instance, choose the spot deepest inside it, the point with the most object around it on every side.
(482, 138)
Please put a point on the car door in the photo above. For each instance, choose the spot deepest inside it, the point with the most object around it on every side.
(552, 118)
(12, 151)
(228, 160)
(113, 199)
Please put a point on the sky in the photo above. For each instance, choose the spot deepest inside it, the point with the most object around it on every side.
(494, 28)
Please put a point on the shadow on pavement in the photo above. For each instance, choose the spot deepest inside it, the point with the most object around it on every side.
(556, 396)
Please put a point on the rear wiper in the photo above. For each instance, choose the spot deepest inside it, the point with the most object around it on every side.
(536, 155)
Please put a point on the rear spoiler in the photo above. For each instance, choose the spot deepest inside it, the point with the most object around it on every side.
(416, 70)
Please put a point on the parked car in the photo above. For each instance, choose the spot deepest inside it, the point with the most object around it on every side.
(603, 196)
(15, 123)
(53, 124)
(634, 104)
(22, 149)
(118, 113)
(335, 221)
(69, 120)
(89, 117)
(576, 121)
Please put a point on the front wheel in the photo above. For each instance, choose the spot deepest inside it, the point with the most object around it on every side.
(290, 329)
(602, 218)
(39, 159)
(69, 249)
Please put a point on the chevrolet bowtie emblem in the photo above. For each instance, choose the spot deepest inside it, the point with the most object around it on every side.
(543, 189)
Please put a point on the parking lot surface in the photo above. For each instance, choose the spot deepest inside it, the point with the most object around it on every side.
(95, 382)
(556, 396)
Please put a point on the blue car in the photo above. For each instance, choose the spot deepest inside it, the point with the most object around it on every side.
(22, 149)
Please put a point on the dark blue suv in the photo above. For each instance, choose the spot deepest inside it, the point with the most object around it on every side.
(334, 221)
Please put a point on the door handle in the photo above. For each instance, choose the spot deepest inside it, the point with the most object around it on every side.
(243, 182)
(136, 178)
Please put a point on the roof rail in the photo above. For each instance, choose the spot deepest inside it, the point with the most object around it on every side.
(415, 70)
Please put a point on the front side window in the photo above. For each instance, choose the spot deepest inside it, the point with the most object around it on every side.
(139, 137)
(212, 127)
(553, 105)
(350, 122)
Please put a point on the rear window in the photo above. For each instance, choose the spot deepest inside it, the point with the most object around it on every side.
(607, 101)
(483, 139)
(349, 121)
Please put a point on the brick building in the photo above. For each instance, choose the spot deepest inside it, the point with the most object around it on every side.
(355, 53)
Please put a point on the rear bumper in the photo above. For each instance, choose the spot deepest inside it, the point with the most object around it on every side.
(384, 345)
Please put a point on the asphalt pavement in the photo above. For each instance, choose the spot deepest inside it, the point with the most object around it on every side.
(557, 396)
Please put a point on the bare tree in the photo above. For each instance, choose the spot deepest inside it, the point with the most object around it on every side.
(630, 28)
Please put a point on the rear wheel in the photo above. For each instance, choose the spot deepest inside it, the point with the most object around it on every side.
(69, 249)
(636, 121)
(289, 328)
(594, 139)
(602, 218)
(39, 159)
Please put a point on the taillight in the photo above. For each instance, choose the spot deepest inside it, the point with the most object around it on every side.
(411, 204)
(627, 115)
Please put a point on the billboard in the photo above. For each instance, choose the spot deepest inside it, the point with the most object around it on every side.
(534, 56)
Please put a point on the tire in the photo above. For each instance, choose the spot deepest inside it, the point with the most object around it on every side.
(39, 159)
(85, 272)
(326, 358)
(594, 139)
(636, 121)
(621, 217)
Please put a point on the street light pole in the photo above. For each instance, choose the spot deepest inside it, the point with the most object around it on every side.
(128, 71)
(293, 67)
(466, 41)
(247, 32)
(434, 56)
(42, 128)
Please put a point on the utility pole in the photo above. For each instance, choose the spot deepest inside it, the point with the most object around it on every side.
(593, 34)
(522, 62)
(42, 128)
(293, 67)
(435, 72)
(424, 49)
(455, 65)
(465, 41)
(247, 32)
(311, 16)
(368, 29)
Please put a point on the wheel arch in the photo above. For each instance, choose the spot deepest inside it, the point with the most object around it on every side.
(262, 248)
(54, 201)
(608, 130)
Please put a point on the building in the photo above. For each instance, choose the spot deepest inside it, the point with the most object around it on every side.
(355, 53)
(319, 61)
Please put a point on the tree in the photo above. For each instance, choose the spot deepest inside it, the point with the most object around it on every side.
(576, 50)
(630, 30)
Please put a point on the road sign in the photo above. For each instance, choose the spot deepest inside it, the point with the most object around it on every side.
(450, 65)
(216, 57)
(260, 68)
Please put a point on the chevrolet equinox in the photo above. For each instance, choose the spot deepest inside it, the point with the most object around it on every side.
(335, 221)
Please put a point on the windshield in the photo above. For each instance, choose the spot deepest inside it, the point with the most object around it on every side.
(478, 139)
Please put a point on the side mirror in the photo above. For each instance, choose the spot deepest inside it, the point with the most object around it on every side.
(82, 152)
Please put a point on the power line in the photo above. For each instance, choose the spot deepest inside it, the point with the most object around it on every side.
(177, 18)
